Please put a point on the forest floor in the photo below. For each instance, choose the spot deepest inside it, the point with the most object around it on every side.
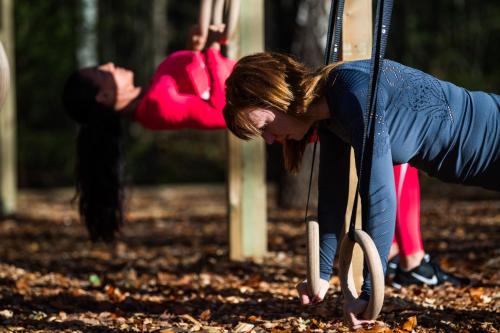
(169, 271)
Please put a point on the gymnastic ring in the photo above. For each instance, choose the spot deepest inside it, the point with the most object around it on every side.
(371, 256)
(313, 257)
(372, 259)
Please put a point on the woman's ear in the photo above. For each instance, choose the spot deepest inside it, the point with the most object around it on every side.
(261, 117)
(104, 98)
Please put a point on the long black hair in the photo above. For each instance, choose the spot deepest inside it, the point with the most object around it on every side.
(100, 159)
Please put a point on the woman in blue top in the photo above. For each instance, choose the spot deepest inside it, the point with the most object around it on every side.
(445, 130)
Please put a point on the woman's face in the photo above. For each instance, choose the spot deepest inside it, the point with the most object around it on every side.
(277, 126)
(117, 87)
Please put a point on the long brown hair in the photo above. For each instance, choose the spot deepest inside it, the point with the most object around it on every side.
(100, 188)
(275, 81)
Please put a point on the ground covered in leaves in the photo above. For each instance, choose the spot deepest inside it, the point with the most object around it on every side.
(169, 270)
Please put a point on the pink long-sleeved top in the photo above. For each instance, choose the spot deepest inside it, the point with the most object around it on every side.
(186, 91)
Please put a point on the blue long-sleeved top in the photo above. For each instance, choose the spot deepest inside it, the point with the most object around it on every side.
(447, 131)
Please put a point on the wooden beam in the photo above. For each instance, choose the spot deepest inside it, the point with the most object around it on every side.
(246, 160)
(8, 176)
(356, 45)
(357, 33)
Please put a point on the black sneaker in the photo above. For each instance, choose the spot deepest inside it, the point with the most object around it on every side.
(392, 265)
(427, 273)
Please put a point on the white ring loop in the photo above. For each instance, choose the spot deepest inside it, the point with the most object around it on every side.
(372, 259)
(313, 258)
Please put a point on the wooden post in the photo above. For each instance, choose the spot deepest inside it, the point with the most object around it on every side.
(356, 44)
(8, 181)
(246, 160)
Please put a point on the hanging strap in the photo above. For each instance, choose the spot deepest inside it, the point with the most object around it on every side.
(332, 52)
(334, 33)
(381, 31)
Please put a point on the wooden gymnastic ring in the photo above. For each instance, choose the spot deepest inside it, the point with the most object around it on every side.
(313, 258)
(372, 259)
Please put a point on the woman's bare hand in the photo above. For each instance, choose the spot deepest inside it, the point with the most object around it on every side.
(304, 296)
(211, 39)
(353, 311)
(216, 35)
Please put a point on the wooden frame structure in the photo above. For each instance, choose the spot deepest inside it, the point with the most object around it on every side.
(246, 162)
(247, 204)
(8, 175)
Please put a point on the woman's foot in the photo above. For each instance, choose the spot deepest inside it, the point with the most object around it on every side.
(392, 266)
(427, 273)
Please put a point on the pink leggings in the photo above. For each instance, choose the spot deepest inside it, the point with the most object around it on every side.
(407, 234)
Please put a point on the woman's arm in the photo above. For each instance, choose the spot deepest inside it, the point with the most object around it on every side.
(377, 189)
(333, 185)
(333, 188)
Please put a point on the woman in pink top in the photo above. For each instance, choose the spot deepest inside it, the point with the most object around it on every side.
(186, 91)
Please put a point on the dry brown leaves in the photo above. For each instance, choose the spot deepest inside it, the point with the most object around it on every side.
(170, 273)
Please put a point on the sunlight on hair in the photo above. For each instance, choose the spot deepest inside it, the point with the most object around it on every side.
(278, 82)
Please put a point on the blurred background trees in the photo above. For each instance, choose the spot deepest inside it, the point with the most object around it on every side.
(456, 40)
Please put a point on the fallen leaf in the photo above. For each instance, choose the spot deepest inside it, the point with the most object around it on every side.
(6, 314)
(213, 329)
(410, 323)
(205, 315)
(22, 284)
(94, 280)
(377, 328)
(114, 294)
(38, 315)
(476, 293)
(172, 330)
(269, 325)
(243, 328)
(191, 319)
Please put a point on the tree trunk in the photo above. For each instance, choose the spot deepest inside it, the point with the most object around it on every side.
(159, 33)
(294, 188)
(87, 50)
